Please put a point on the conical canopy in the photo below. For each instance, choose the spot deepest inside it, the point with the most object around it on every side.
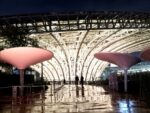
(22, 57)
(145, 55)
(123, 60)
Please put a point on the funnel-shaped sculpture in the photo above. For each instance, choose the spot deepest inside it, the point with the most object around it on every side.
(123, 60)
(22, 57)
(145, 55)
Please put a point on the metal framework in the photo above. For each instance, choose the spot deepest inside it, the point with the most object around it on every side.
(60, 21)
(84, 33)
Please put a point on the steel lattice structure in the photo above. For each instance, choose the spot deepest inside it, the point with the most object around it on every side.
(52, 22)
(74, 38)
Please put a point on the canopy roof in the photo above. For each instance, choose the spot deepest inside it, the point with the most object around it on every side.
(22, 57)
(145, 55)
(123, 60)
(74, 50)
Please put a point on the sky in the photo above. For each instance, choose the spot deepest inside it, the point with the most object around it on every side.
(13, 7)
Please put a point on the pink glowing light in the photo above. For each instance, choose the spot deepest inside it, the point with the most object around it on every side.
(22, 57)
(145, 55)
(123, 60)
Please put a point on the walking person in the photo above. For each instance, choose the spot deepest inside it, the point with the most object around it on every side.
(82, 80)
(76, 80)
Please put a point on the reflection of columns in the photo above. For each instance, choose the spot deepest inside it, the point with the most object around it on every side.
(43, 100)
(77, 91)
(125, 80)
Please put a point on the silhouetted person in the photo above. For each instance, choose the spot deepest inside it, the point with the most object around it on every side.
(64, 81)
(76, 80)
(82, 80)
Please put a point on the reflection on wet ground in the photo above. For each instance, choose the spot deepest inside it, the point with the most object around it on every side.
(72, 99)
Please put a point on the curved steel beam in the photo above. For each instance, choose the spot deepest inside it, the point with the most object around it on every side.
(93, 70)
(143, 44)
(110, 44)
(60, 67)
(94, 48)
(47, 75)
(58, 63)
(50, 72)
(54, 69)
(47, 72)
(44, 71)
(64, 54)
(102, 66)
(131, 44)
(77, 56)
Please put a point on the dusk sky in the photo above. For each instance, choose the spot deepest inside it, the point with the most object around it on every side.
(11, 7)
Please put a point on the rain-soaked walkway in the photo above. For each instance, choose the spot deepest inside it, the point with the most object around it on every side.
(71, 99)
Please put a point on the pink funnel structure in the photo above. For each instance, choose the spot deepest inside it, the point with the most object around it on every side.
(123, 60)
(145, 55)
(23, 57)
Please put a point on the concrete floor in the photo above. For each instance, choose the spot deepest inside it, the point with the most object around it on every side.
(72, 99)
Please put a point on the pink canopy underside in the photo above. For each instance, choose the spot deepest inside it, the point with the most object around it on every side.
(123, 60)
(22, 57)
(145, 55)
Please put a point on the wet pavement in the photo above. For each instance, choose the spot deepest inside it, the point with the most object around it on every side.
(72, 99)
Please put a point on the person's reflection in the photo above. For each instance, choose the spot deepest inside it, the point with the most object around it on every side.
(77, 91)
(82, 91)
(54, 97)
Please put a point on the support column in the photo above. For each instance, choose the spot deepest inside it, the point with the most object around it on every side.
(21, 77)
(21, 81)
(125, 80)
(42, 72)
